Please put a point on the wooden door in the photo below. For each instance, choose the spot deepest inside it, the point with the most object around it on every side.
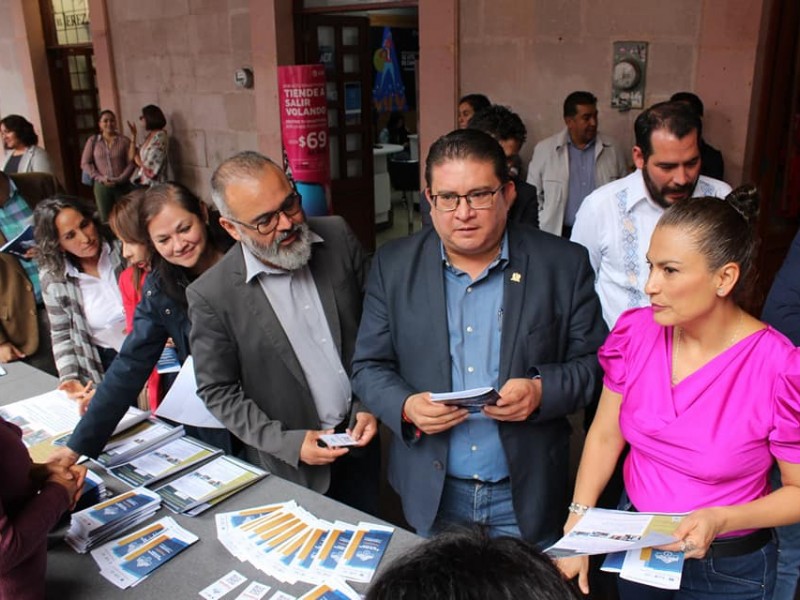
(341, 44)
(773, 157)
(70, 59)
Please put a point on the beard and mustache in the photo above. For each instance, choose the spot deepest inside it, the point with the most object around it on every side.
(289, 258)
(659, 195)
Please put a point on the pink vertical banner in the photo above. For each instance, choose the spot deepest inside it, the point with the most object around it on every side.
(304, 128)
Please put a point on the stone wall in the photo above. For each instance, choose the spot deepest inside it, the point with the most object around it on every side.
(182, 55)
(530, 54)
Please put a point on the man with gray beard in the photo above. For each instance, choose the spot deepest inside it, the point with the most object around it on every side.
(274, 328)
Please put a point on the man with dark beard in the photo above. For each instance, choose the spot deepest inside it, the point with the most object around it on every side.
(616, 221)
(274, 327)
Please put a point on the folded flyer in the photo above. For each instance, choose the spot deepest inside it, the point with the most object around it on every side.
(20, 244)
(48, 420)
(601, 531)
(128, 561)
(136, 441)
(222, 476)
(96, 524)
(473, 400)
(290, 544)
(164, 461)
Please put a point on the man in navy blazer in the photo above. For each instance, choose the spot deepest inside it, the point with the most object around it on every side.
(478, 302)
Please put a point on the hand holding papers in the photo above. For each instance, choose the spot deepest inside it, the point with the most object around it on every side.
(631, 534)
(48, 420)
(473, 400)
(20, 245)
(336, 440)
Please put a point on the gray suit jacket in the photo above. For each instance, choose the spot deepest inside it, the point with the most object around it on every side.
(552, 325)
(247, 372)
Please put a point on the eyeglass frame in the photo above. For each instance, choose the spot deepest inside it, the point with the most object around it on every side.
(274, 215)
(466, 197)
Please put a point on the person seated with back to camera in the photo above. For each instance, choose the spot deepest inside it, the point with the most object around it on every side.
(470, 565)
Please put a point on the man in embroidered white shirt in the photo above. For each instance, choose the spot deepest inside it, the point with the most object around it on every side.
(616, 221)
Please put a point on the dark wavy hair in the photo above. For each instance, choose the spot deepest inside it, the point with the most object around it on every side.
(470, 565)
(175, 279)
(22, 128)
(723, 229)
(52, 258)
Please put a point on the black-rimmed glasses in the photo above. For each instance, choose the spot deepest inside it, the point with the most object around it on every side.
(268, 222)
(479, 200)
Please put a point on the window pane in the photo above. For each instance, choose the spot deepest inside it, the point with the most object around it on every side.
(350, 63)
(353, 142)
(354, 167)
(350, 36)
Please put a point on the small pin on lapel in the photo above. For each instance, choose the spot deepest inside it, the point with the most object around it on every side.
(516, 277)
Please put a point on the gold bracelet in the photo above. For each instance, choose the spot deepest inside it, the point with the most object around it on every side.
(578, 509)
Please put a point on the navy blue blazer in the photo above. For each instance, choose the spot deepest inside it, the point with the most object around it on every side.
(156, 319)
(552, 325)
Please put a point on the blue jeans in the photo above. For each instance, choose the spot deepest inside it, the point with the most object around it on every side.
(747, 577)
(788, 551)
(469, 503)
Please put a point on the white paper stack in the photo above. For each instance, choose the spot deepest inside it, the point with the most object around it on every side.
(48, 420)
(103, 521)
(208, 485)
(129, 444)
(164, 461)
(290, 544)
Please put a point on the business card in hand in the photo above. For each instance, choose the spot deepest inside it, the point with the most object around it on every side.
(337, 440)
(473, 400)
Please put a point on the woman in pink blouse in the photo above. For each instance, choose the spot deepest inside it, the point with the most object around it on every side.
(105, 159)
(151, 156)
(707, 397)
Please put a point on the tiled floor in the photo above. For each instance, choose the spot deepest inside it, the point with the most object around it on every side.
(399, 227)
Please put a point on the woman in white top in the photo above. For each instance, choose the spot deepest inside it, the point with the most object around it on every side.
(22, 153)
(79, 266)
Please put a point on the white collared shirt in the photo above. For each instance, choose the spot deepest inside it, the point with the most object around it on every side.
(102, 302)
(615, 223)
(294, 297)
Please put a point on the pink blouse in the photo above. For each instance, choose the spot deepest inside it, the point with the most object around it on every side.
(711, 439)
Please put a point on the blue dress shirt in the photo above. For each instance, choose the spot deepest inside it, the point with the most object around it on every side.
(474, 322)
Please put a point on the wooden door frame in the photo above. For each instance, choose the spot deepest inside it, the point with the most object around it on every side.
(438, 86)
(775, 97)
